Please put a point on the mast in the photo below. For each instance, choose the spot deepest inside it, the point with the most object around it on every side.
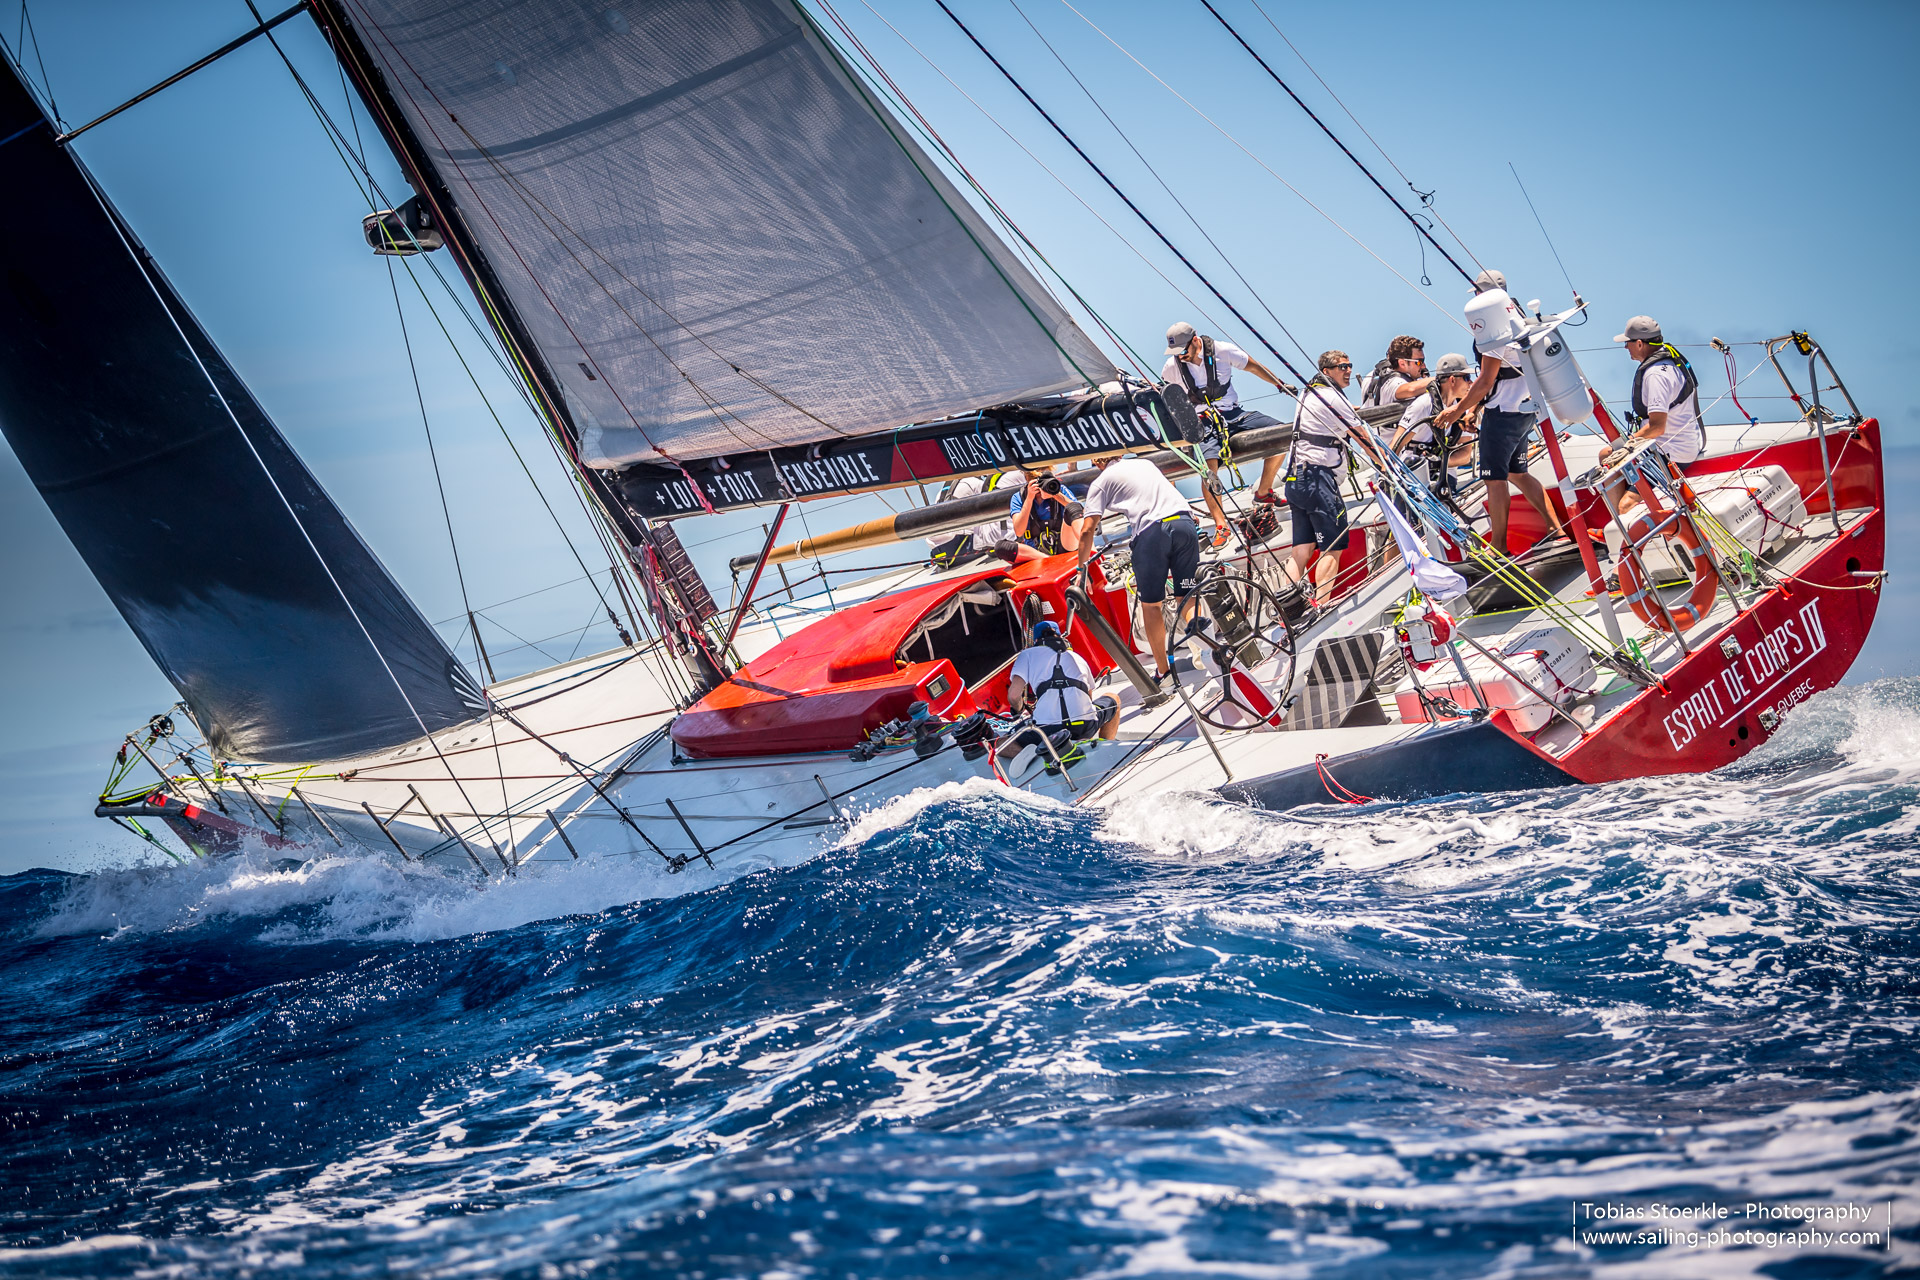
(676, 614)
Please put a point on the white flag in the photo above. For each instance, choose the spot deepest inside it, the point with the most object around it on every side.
(1435, 580)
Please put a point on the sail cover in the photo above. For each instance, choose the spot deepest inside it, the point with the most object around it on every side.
(286, 637)
(717, 237)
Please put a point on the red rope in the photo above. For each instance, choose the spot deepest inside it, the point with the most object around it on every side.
(1332, 784)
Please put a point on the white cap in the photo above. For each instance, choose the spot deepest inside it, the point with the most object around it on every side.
(1490, 279)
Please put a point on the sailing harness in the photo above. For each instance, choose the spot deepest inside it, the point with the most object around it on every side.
(1321, 439)
(1206, 398)
(1059, 682)
(1664, 353)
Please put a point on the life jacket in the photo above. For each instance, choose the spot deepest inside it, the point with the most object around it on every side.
(1507, 372)
(1665, 353)
(1059, 682)
(1313, 437)
(1203, 397)
(1376, 382)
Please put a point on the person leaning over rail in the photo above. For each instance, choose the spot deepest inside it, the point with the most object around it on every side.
(1323, 431)
(1399, 379)
(1505, 427)
(1666, 405)
(1204, 366)
(1060, 683)
(1160, 528)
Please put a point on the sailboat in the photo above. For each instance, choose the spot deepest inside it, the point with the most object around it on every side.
(677, 222)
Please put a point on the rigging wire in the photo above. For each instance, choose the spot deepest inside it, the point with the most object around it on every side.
(942, 147)
(1272, 172)
(1426, 197)
(1543, 230)
(1198, 307)
(27, 35)
(1172, 194)
(1464, 275)
(357, 168)
(1115, 188)
(433, 456)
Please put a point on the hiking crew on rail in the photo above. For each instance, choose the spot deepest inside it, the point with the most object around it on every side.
(1204, 366)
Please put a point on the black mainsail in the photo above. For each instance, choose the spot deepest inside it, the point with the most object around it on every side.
(286, 637)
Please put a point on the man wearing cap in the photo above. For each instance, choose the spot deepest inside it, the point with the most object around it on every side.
(1325, 428)
(1060, 683)
(1505, 428)
(1666, 402)
(1204, 366)
(1164, 539)
(1452, 375)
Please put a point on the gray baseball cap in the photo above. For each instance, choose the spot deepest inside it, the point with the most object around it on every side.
(1452, 365)
(1640, 329)
(1490, 279)
(1178, 337)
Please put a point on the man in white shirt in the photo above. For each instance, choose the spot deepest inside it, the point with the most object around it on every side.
(1505, 428)
(1666, 402)
(1060, 683)
(1399, 379)
(996, 537)
(1452, 375)
(1204, 367)
(1164, 538)
(1325, 428)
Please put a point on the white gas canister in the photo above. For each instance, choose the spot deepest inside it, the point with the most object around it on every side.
(1555, 379)
(1494, 319)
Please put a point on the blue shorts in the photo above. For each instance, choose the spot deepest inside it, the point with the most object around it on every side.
(1503, 443)
(1237, 419)
(1162, 548)
(1319, 512)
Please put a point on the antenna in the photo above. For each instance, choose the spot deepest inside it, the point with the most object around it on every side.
(1543, 227)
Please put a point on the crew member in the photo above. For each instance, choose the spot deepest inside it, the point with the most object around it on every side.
(1060, 683)
(1428, 454)
(1324, 430)
(1204, 366)
(1505, 428)
(995, 537)
(1666, 403)
(1397, 380)
(1045, 515)
(1165, 541)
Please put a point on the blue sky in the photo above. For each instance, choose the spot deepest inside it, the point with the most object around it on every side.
(1734, 170)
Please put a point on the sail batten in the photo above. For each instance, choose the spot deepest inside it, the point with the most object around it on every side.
(717, 239)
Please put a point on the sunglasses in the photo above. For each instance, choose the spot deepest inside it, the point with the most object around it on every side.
(1348, 365)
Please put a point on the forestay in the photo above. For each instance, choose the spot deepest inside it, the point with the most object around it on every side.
(718, 239)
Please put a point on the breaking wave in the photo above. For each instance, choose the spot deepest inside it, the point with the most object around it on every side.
(988, 1034)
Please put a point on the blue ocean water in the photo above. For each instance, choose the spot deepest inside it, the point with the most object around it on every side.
(988, 1036)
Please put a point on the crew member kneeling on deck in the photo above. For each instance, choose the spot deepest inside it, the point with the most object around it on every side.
(1666, 404)
(1324, 430)
(1061, 685)
(1165, 539)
